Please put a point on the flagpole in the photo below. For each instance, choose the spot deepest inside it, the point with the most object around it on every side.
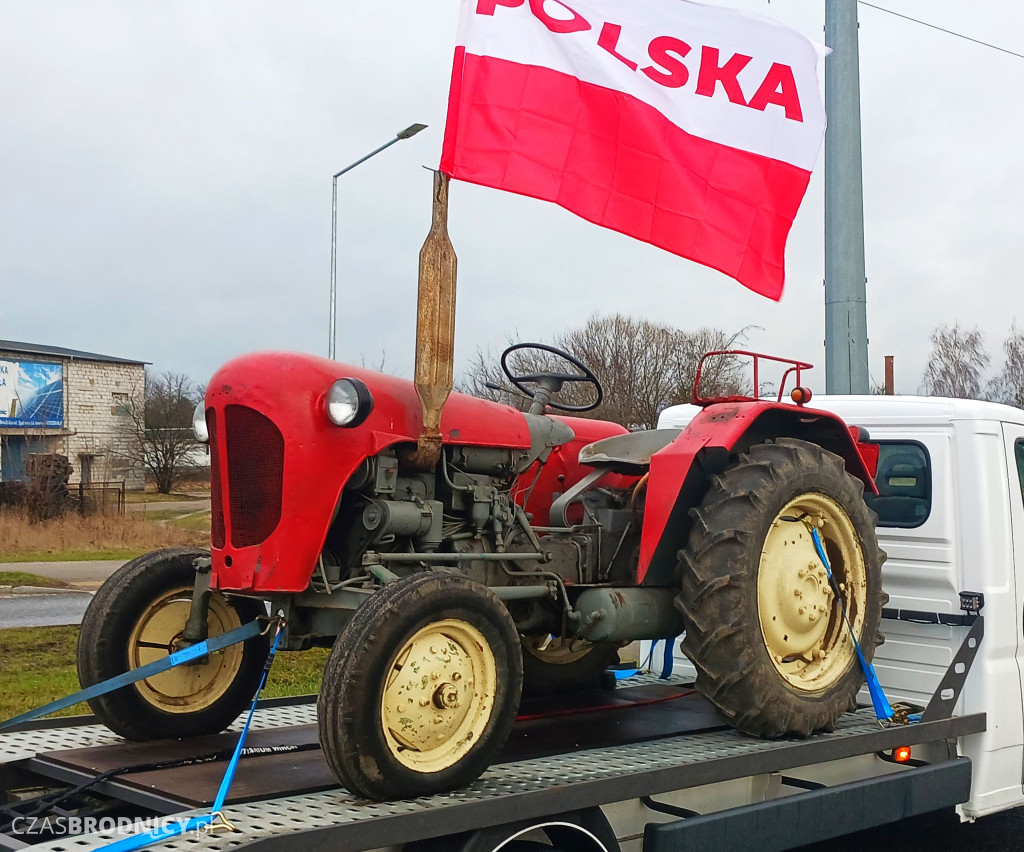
(846, 333)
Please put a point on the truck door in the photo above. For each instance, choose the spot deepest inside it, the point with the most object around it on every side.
(1013, 438)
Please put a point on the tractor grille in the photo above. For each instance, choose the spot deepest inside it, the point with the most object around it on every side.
(255, 468)
(217, 538)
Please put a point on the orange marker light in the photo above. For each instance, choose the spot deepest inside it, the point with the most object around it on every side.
(801, 396)
(901, 754)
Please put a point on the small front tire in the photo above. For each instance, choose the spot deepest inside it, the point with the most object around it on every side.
(421, 688)
(137, 617)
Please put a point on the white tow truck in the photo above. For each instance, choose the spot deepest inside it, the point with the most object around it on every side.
(647, 766)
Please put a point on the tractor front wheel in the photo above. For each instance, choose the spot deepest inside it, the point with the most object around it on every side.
(421, 689)
(137, 617)
(766, 629)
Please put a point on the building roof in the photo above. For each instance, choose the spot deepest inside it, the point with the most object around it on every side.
(61, 352)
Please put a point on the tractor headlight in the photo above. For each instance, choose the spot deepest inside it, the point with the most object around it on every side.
(199, 428)
(349, 402)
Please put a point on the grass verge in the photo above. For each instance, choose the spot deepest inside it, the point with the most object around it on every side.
(25, 578)
(156, 497)
(39, 667)
(75, 537)
(69, 555)
(200, 522)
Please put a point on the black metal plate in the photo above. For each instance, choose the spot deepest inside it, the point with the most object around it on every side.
(563, 724)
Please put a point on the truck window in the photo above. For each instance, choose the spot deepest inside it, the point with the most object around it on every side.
(904, 484)
(1018, 454)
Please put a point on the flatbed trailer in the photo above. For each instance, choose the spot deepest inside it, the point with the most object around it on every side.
(646, 766)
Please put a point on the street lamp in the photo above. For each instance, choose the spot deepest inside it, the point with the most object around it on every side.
(411, 130)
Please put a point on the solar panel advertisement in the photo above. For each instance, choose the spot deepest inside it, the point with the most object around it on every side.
(31, 394)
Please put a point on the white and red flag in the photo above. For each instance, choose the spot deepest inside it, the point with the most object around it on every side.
(687, 126)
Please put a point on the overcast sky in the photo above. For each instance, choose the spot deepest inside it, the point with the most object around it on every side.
(165, 189)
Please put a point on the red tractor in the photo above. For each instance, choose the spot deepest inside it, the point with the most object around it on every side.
(455, 553)
(520, 559)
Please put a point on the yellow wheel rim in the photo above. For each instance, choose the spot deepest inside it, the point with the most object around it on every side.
(438, 695)
(183, 689)
(802, 624)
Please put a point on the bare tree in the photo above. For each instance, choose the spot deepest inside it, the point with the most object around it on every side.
(158, 428)
(1008, 386)
(723, 375)
(378, 364)
(957, 361)
(643, 366)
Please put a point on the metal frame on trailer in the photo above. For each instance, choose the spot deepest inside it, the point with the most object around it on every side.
(544, 787)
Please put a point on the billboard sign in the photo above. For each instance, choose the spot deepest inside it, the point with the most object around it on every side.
(31, 394)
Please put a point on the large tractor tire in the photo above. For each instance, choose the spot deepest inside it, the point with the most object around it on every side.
(421, 688)
(137, 617)
(764, 629)
(559, 664)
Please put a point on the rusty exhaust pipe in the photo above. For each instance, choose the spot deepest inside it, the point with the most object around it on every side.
(435, 328)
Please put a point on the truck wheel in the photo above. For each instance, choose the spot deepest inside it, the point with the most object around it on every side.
(137, 617)
(564, 664)
(586, 830)
(764, 630)
(421, 688)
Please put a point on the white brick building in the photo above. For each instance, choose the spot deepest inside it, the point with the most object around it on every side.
(56, 400)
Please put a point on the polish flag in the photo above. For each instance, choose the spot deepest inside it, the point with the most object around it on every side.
(687, 126)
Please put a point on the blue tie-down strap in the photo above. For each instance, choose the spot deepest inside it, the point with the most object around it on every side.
(201, 649)
(668, 661)
(206, 821)
(883, 710)
(623, 671)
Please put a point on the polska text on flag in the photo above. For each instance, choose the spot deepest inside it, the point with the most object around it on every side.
(690, 127)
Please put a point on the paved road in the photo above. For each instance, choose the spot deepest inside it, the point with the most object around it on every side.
(83, 575)
(42, 610)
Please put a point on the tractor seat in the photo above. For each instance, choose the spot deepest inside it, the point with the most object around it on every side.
(629, 454)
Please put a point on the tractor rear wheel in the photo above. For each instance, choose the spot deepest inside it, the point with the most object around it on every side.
(137, 617)
(421, 688)
(765, 627)
(559, 664)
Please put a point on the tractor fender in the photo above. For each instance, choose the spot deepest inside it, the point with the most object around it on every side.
(680, 473)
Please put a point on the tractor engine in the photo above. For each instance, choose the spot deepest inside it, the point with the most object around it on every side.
(469, 514)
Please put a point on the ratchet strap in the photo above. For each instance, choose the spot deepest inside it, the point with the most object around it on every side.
(215, 818)
(883, 710)
(193, 652)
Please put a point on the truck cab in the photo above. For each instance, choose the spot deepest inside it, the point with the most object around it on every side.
(950, 480)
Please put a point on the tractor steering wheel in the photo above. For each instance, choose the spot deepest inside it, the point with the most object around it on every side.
(552, 382)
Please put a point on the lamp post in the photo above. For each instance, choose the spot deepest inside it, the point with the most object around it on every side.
(411, 130)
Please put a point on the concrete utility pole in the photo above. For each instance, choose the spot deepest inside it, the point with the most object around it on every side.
(846, 324)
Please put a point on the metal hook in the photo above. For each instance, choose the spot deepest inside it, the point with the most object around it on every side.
(272, 621)
(224, 823)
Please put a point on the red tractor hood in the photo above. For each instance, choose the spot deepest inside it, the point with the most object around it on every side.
(278, 464)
